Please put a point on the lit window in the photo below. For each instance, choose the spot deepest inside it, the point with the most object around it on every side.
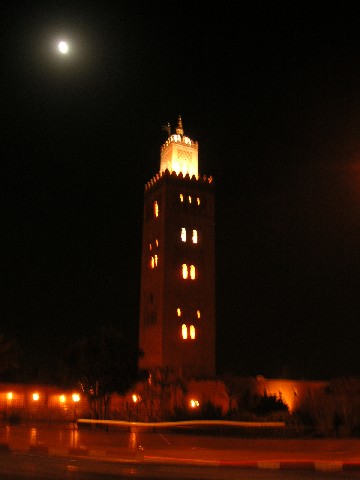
(157, 242)
(183, 234)
(178, 311)
(181, 197)
(76, 397)
(188, 270)
(198, 313)
(198, 200)
(156, 209)
(154, 261)
(194, 236)
(150, 247)
(190, 199)
(36, 397)
(184, 331)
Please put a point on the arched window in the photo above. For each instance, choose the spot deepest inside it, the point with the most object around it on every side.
(178, 311)
(194, 236)
(184, 332)
(183, 234)
(156, 209)
(188, 271)
(154, 261)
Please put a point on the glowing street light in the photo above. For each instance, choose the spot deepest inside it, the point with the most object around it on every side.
(194, 403)
(135, 398)
(76, 397)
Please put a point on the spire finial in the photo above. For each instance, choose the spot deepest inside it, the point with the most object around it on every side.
(167, 128)
(179, 128)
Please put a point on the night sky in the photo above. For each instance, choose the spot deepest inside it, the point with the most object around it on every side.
(270, 90)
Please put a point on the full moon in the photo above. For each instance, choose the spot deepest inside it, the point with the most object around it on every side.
(63, 47)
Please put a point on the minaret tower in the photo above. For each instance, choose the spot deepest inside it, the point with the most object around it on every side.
(177, 302)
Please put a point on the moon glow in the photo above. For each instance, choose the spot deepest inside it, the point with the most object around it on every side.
(63, 47)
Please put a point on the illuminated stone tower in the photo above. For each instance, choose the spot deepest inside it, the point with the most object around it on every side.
(177, 304)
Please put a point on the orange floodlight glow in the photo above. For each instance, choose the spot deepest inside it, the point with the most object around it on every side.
(35, 397)
(75, 397)
(135, 398)
(194, 403)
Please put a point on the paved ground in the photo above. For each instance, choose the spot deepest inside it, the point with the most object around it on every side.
(160, 447)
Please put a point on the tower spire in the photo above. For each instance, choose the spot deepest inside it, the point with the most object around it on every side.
(179, 153)
(179, 128)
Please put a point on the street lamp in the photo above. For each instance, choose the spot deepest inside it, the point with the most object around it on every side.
(76, 399)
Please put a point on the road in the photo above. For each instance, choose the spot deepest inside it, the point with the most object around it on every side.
(54, 452)
(30, 466)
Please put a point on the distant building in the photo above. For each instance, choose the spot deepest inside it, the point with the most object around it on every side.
(177, 304)
(29, 402)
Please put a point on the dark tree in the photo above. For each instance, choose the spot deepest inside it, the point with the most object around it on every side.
(9, 355)
(268, 404)
(101, 364)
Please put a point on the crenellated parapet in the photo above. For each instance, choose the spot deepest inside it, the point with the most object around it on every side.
(179, 139)
(193, 179)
